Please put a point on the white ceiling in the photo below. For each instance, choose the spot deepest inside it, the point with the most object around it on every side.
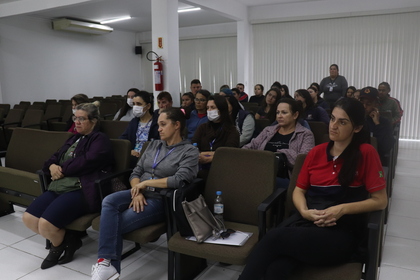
(213, 11)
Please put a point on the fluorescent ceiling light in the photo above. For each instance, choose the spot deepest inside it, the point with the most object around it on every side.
(188, 10)
(115, 19)
(65, 24)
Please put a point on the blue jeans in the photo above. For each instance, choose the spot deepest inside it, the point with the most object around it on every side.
(117, 219)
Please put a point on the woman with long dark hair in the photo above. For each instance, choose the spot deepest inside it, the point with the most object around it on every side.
(311, 111)
(269, 105)
(219, 131)
(125, 113)
(339, 181)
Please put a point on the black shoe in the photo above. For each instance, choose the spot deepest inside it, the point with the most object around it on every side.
(53, 256)
(73, 243)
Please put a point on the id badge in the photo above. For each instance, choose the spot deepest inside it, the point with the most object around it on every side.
(331, 88)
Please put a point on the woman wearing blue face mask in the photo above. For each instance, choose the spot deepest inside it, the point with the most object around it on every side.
(126, 111)
(219, 131)
(138, 129)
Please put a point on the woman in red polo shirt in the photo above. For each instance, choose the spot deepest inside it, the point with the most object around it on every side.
(332, 191)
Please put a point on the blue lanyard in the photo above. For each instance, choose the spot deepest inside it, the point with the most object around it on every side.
(211, 144)
(155, 164)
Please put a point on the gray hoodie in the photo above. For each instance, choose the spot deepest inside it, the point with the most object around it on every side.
(178, 162)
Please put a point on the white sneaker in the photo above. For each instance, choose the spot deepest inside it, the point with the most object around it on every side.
(104, 271)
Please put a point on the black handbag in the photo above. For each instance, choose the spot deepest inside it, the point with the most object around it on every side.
(283, 168)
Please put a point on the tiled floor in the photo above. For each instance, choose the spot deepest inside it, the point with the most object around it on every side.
(21, 251)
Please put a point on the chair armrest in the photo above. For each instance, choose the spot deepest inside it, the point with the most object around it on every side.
(101, 183)
(272, 200)
(13, 123)
(3, 153)
(375, 231)
(108, 116)
(43, 180)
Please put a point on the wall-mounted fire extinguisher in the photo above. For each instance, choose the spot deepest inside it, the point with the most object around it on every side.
(157, 70)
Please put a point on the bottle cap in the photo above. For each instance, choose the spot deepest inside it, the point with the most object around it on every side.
(218, 193)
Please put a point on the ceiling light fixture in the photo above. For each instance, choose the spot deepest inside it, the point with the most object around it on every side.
(188, 10)
(115, 19)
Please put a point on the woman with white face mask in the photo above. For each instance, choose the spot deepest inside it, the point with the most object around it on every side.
(137, 131)
(126, 111)
(75, 100)
(219, 131)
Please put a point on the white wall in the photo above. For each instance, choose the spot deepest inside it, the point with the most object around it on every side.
(38, 63)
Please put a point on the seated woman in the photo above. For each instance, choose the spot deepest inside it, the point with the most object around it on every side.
(242, 119)
(219, 131)
(170, 162)
(75, 100)
(284, 90)
(311, 111)
(126, 111)
(188, 103)
(318, 100)
(164, 101)
(199, 115)
(269, 105)
(258, 96)
(83, 159)
(332, 191)
(288, 136)
(137, 131)
(350, 91)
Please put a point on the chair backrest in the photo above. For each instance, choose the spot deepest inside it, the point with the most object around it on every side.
(289, 206)
(122, 152)
(66, 112)
(30, 148)
(33, 117)
(113, 129)
(53, 110)
(108, 109)
(1, 114)
(319, 129)
(245, 177)
(24, 107)
(14, 115)
(260, 124)
(251, 107)
(6, 108)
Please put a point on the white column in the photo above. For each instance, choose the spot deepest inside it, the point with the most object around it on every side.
(244, 56)
(165, 42)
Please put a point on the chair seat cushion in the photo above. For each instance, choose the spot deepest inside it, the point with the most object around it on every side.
(142, 235)
(347, 271)
(223, 253)
(82, 223)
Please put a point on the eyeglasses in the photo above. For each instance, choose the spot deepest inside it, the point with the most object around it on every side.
(200, 100)
(79, 119)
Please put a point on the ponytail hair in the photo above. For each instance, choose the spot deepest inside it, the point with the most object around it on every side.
(351, 155)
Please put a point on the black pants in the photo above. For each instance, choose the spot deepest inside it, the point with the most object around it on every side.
(284, 248)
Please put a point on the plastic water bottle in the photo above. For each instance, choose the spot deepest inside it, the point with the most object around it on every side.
(218, 206)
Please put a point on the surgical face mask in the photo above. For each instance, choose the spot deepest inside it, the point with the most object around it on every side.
(130, 102)
(73, 111)
(138, 111)
(213, 115)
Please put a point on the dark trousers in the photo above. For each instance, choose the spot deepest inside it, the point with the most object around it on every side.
(284, 248)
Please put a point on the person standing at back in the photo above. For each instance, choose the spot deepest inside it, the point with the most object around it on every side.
(334, 86)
